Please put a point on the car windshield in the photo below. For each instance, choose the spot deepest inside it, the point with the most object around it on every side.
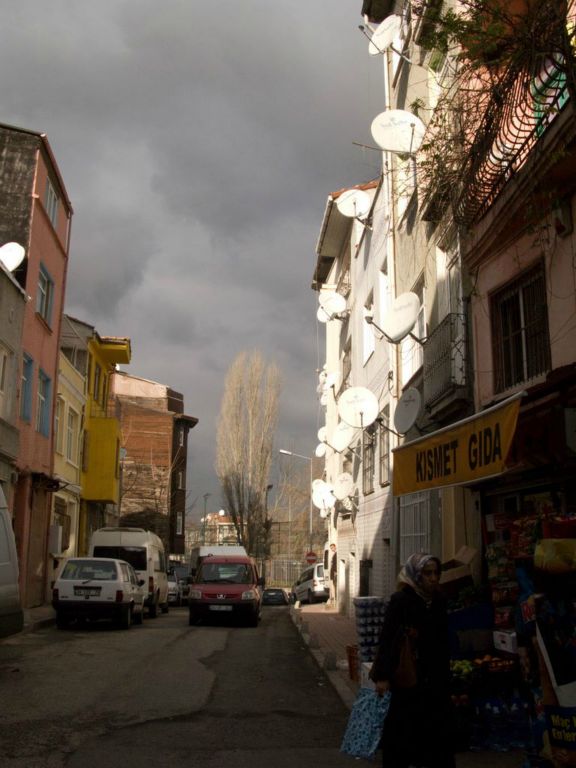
(231, 573)
(89, 570)
(136, 556)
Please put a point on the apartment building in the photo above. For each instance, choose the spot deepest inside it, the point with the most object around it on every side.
(36, 213)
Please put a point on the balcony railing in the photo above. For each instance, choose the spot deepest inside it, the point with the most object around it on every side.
(445, 361)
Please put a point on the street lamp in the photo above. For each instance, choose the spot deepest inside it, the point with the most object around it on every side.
(309, 459)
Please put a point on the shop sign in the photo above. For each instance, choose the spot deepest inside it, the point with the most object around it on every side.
(562, 726)
(470, 450)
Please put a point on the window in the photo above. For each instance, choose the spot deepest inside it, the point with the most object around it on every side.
(179, 524)
(58, 425)
(72, 442)
(414, 524)
(26, 389)
(550, 93)
(97, 380)
(410, 350)
(43, 404)
(51, 203)
(45, 295)
(384, 446)
(368, 450)
(368, 340)
(520, 339)
(180, 480)
(5, 388)
(181, 436)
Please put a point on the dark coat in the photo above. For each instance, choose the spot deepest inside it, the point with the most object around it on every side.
(418, 727)
(408, 610)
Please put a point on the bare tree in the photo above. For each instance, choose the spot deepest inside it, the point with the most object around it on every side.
(245, 438)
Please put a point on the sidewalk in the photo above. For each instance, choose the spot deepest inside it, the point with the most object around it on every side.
(327, 633)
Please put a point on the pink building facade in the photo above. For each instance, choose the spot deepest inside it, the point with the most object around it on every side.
(35, 212)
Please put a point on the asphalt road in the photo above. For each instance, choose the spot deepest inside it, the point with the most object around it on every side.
(166, 694)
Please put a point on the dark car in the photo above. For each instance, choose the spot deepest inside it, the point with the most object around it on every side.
(274, 597)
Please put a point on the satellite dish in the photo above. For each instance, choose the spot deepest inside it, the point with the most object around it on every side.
(322, 434)
(407, 410)
(354, 203)
(397, 130)
(320, 450)
(358, 407)
(330, 304)
(343, 485)
(322, 377)
(12, 255)
(385, 34)
(322, 496)
(324, 398)
(342, 437)
(401, 317)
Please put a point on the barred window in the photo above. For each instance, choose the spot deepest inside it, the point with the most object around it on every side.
(520, 337)
(368, 451)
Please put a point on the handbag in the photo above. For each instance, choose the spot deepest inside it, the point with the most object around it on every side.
(406, 673)
(364, 729)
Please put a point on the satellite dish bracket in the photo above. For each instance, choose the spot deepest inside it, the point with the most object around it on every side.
(348, 448)
(362, 29)
(380, 421)
(370, 320)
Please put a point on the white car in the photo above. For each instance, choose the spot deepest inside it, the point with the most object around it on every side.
(98, 588)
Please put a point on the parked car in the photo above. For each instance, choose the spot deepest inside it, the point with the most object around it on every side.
(182, 573)
(11, 615)
(144, 551)
(174, 597)
(226, 586)
(311, 587)
(98, 588)
(273, 596)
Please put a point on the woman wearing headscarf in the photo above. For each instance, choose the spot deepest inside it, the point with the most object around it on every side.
(417, 729)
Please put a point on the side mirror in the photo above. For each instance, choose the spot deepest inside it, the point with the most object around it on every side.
(261, 581)
(141, 582)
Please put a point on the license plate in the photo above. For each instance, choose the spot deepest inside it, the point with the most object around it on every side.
(87, 591)
(220, 607)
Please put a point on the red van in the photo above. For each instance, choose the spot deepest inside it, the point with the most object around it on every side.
(226, 586)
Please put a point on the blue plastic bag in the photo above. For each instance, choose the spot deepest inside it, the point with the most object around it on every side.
(364, 728)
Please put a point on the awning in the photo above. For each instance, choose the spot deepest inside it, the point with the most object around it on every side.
(473, 449)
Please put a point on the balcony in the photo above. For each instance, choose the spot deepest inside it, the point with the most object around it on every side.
(446, 386)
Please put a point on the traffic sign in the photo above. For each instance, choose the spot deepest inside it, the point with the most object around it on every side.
(311, 558)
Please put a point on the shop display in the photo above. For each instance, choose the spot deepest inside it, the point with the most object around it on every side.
(369, 613)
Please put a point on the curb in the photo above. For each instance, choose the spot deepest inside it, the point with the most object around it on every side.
(325, 660)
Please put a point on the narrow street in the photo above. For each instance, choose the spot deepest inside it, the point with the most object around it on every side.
(167, 694)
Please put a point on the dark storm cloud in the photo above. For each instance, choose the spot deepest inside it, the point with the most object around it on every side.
(198, 143)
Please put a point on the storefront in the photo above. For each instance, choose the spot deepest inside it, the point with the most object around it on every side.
(514, 632)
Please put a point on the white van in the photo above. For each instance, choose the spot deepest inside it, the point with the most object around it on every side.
(144, 551)
(11, 615)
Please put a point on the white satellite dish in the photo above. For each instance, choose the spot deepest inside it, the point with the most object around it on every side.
(343, 485)
(330, 304)
(320, 450)
(407, 410)
(324, 398)
(342, 436)
(358, 407)
(12, 255)
(401, 317)
(322, 496)
(322, 434)
(385, 34)
(397, 130)
(354, 203)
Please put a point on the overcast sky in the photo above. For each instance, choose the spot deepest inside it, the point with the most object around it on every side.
(198, 142)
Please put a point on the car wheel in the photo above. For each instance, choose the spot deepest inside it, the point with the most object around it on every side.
(192, 619)
(253, 619)
(153, 610)
(164, 607)
(138, 618)
(126, 617)
(61, 620)
(310, 597)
